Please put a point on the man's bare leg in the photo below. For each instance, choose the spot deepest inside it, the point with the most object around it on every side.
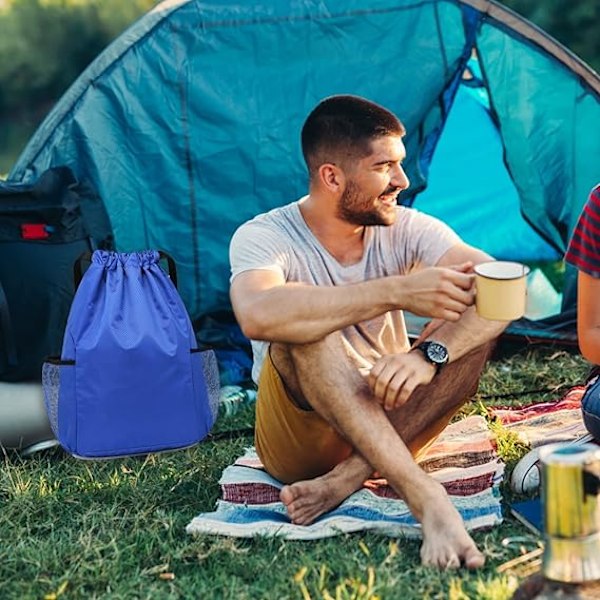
(446, 542)
(307, 500)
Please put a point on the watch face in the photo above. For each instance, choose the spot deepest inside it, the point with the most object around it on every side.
(437, 353)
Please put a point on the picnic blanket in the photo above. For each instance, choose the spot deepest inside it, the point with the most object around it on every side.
(463, 459)
(546, 422)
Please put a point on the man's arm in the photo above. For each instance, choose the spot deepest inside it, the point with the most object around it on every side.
(588, 316)
(268, 308)
(394, 377)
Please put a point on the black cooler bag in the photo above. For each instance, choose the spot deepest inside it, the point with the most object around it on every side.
(44, 227)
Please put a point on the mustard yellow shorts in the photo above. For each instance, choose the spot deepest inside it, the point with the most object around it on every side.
(293, 444)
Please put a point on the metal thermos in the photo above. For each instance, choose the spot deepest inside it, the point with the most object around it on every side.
(571, 503)
(24, 423)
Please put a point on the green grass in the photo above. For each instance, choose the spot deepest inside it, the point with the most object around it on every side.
(115, 529)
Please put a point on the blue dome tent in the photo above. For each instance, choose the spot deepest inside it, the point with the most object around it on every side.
(475, 194)
(188, 124)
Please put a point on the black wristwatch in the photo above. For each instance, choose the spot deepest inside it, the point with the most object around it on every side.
(435, 352)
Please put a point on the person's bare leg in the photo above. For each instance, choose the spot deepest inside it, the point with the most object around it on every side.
(307, 500)
(446, 542)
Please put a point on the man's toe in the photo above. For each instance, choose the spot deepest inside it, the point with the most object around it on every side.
(474, 559)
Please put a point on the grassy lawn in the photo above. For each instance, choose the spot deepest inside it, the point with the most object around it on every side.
(115, 529)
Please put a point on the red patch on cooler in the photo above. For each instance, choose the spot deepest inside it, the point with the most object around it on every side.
(34, 231)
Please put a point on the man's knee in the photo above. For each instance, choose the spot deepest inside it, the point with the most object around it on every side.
(317, 359)
(296, 363)
(293, 360)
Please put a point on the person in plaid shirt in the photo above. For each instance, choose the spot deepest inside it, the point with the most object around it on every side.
(584, 254)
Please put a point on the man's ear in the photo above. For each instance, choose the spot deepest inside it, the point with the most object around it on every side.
(332, 177)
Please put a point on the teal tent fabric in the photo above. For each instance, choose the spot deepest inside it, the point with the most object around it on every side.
(476, 195)
(188, 124)
(549, 127)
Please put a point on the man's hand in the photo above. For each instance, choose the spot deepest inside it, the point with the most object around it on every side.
(440, 292)
(394, 377)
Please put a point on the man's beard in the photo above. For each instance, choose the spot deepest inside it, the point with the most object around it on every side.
(358, 209)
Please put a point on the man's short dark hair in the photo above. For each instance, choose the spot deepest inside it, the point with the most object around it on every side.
(343, 127)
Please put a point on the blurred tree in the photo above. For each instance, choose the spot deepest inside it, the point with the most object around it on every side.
(574, 23)
(45, 44)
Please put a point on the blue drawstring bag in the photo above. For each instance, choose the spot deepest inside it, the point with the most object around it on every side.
(130, 379)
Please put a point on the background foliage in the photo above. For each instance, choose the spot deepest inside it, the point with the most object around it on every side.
(574, 23)
(45, 44)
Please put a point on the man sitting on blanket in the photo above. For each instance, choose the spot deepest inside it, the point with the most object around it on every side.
(322, 283)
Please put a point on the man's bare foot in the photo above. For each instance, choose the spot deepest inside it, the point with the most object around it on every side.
(307, 500)
(446, 543)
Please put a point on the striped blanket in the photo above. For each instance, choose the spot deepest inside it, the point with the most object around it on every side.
(546, 422)
(463, 459)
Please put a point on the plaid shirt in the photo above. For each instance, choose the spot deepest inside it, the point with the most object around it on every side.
(584, 247)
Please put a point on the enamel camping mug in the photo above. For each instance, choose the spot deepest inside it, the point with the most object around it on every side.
(501, 290)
